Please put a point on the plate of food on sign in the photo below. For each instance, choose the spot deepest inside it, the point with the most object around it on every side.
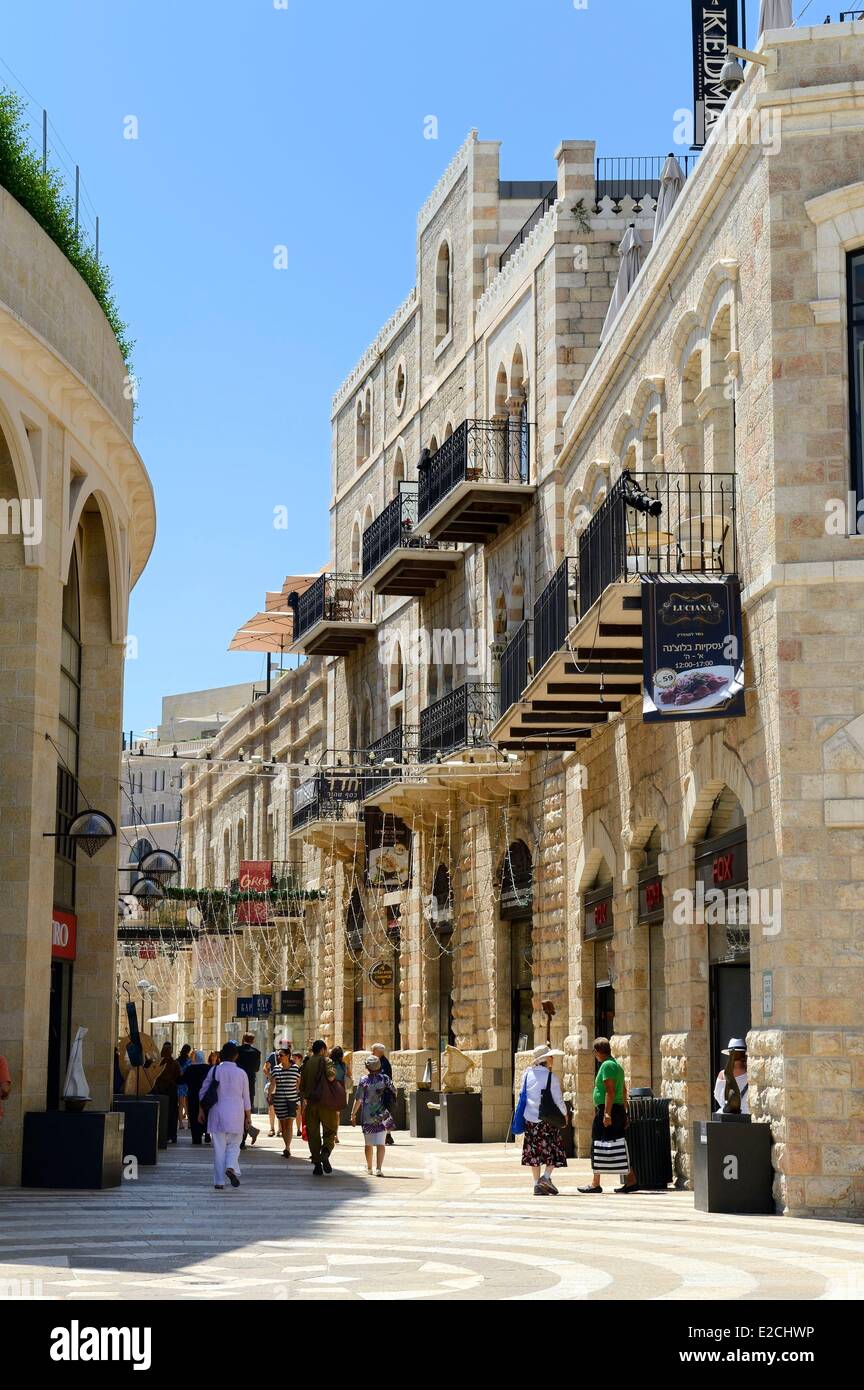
(700, 688)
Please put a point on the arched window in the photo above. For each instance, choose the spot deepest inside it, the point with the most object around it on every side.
(138, 851)
(355, 548)
(448, 430)
(400, 386)
(443, 294)
(364, 427)
(398, 470)
(68, 727)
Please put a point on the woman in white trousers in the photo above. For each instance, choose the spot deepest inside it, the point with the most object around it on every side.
(227, 1120)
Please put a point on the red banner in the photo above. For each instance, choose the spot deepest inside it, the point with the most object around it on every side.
(256, 875)
(64, 934)
(252, 914)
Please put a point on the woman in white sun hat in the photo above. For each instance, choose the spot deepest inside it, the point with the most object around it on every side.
(541, 1115)
(737, 1050)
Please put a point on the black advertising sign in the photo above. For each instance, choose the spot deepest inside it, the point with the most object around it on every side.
(388, 851)
(292, 1001)
(715, 26)
(692, 650)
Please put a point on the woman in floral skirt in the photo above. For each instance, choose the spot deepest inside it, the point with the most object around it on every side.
(372, 1103)
(543, 1145)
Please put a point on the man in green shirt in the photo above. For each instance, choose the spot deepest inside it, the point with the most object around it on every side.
(609, 1150)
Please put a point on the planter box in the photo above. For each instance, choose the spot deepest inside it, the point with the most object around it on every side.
(140, 1127)
(732, 1169)
(72, 1149)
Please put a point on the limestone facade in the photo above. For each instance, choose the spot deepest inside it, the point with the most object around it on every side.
(78, 526)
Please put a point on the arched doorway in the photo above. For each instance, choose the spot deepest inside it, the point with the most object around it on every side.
(355, 923)
(598, 938)
(516, 879)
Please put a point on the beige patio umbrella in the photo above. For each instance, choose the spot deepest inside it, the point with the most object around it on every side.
(268, 632)
(775, 14)
(632, 253)
(671, 183)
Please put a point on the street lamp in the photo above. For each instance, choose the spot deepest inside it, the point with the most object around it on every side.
(148, 892)
(159, 865)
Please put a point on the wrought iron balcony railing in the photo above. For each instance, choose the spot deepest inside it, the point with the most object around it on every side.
(335, 598)
(659, 523)
(325, 796)
(395, 528)
(525, 231)
(396, 748)
(477, 451)
(650, 523)
(634, 176)
(462, 719)
(515, 664)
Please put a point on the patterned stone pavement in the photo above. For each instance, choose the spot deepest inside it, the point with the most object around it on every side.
(446, 1222)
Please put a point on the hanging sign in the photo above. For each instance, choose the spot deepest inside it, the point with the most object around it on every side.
(388, 851)
(381, 974)
(292, 1001)
(598, 912)
(208, 962)
(256, 876)
(692, 651)
(715, 26)
(251, 914)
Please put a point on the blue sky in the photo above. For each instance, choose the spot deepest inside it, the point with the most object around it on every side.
(300, 126)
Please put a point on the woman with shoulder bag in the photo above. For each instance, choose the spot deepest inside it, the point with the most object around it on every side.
(544, 1116)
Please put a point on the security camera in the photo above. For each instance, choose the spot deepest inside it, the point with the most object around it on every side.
(732, 74)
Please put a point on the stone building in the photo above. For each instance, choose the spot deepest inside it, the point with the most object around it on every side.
(522, 845)
(78, 526)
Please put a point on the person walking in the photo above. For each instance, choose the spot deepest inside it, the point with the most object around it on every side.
(284, 1095)
(194, 1077)
(249, 1060)
(166, 1084)
(343, 1073)
(609, 1149)
(272, 1061)
(379, 1050)
(372, 1104)
(183, 1061)
(227, 1118)
(323, 1098)
(737, 1050)
(541, 1115)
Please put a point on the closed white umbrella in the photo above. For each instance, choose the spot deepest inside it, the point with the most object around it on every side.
(775, 14)
(671, 183)
(631, 251)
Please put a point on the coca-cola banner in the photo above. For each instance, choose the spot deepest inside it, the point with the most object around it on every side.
(715, 26)
(692, 649)
(256, 875)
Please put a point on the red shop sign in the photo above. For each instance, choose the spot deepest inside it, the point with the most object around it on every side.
(256, 875)
(601, 914)
(252, 914)
(64, 934)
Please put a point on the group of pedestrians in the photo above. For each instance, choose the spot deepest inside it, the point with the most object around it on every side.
(310, 1091)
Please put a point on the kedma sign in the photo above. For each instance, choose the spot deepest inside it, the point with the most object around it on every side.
(715, 26)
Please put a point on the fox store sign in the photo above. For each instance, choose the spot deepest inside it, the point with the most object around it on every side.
(64, 935)
(692, 651)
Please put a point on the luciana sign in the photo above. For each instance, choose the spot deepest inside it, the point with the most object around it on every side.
(715, 26)
(692, 650)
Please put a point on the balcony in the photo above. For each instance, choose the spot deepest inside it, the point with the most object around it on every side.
(333, 616)
(325, 810)
(477, 483)
(587, 625)
(392, 768)
(462, 719)
(636, 177)
(397, 557)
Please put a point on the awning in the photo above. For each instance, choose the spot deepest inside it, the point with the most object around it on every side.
(266, 632)
(164, 1018)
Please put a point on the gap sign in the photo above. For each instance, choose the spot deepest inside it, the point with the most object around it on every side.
(254, 1005)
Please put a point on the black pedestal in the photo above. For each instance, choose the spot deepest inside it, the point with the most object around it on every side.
(164, 1104)
(72, 1149)
(461, 1118)
(399, 1111)
(732, 1167)
(345, 1115)
(422, 1120)
(141, 1126)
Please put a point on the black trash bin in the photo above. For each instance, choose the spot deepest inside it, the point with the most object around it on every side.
(649, 1141)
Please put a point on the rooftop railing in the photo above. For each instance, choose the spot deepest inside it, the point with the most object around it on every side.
(546, 202)
(634, 176)
(477, 450)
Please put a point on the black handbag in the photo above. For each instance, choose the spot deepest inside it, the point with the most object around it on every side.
(548, 1112)
(209, 1099)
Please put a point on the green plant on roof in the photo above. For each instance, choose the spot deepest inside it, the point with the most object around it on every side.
(41, 194)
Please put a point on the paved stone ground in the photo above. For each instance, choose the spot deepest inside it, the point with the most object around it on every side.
(446, 1222)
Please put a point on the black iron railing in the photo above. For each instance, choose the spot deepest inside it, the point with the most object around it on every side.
(650, 523)
(332, 598)
(462, 719)
(634, 176)
(387, 757)
(554, 612)
(478, 450)
(525, 231)
(325, 796)
(514, 665)
(395, 528)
